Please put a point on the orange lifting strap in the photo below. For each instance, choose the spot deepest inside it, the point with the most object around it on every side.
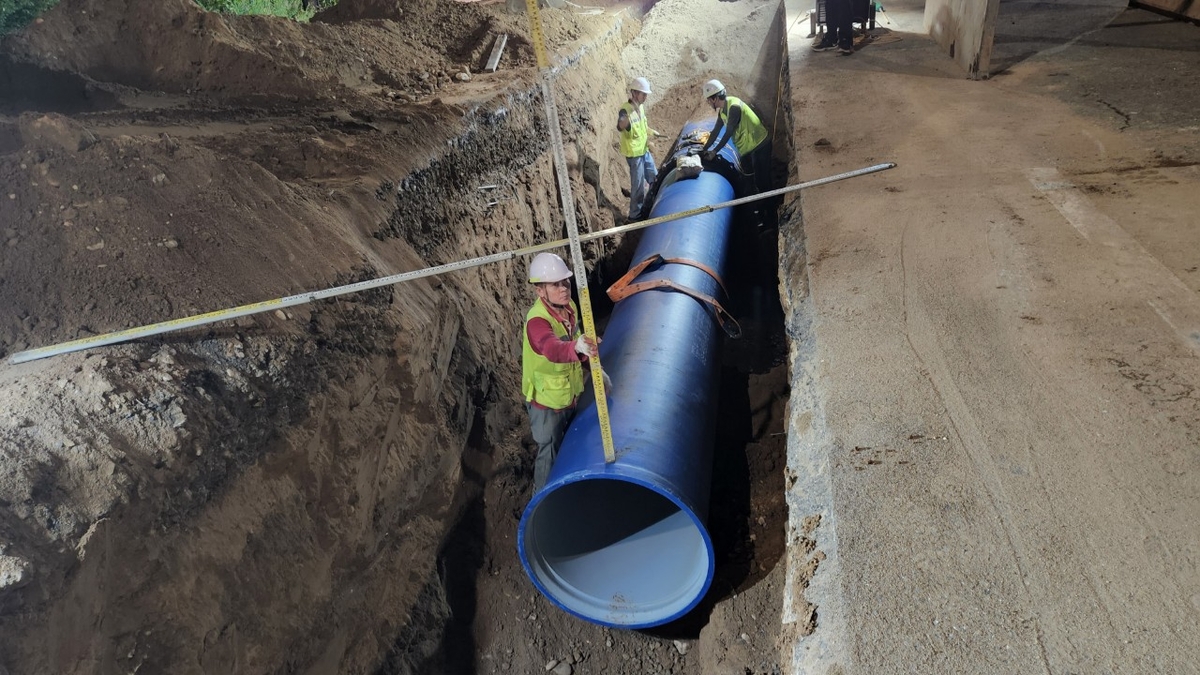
(623, 288)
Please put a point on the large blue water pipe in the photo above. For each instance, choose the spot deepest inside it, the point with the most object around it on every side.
(625, 544)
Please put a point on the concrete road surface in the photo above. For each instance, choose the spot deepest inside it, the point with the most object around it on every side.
(997, 350)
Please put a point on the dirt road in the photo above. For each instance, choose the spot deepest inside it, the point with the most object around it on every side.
(995, 412)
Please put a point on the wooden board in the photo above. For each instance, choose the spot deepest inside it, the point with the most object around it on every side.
(497, 51)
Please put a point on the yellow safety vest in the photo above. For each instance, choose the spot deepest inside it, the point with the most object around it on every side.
(554, 385)
(633, 139)
(750, 132)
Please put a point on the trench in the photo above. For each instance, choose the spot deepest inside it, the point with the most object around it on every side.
(368, 455)
(747, 517)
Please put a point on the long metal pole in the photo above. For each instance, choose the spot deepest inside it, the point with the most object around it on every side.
(303, 298)
(568, 209)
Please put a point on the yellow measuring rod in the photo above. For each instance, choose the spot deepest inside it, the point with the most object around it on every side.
(304, 298)
(568, 207)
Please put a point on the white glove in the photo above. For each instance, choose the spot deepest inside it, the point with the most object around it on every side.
(603, 376)
(582, 346)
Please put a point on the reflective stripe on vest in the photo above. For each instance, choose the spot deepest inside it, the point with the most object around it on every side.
(633, 139)
(553, 385)
(750, 132)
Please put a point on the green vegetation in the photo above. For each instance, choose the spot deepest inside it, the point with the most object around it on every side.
(300, 10)
(16, 14)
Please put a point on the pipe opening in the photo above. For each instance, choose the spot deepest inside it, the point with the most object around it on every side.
(618, 553)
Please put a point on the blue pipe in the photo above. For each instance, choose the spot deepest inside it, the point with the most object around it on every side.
(625, 544)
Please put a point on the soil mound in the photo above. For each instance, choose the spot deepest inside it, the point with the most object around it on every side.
(176, 47)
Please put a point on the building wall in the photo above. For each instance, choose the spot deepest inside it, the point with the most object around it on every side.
(964, 28)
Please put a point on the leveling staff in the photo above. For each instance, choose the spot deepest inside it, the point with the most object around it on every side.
(552, 353)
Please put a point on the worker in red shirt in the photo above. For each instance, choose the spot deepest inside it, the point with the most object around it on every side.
(553, 349)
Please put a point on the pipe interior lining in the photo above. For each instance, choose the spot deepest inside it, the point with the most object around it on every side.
(617, 552)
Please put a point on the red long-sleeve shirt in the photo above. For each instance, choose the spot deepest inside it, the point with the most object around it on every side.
(544, 342)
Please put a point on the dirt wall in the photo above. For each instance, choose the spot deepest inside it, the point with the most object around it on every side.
(675, 48)
(408, 48)
(271, 494)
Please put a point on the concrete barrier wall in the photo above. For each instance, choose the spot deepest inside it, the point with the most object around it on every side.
(771, 78)
(965, 29)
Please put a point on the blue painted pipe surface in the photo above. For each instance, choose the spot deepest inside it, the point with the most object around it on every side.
(624, 544)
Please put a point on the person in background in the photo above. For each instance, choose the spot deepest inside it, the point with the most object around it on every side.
(737, 120)
(634, 128)
(552, 354)
(840, 36)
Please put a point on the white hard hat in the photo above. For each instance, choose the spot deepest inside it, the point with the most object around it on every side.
(547, 268)
(713, 87)
(640, 84)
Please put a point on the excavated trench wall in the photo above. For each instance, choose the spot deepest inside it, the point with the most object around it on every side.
(270, 496)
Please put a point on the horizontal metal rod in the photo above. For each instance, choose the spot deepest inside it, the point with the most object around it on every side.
(303, 298)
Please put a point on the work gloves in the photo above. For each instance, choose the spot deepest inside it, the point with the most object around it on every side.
(608, 385)
(585, 347)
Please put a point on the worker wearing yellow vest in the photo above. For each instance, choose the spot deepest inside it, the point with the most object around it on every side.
(635, 130)
(552, 352)
(741, 123)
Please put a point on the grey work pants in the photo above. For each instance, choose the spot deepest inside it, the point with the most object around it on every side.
(548, 428)
(642, 173)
